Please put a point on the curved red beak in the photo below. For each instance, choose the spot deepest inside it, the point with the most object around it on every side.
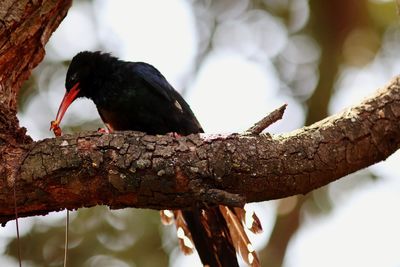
(69, 97)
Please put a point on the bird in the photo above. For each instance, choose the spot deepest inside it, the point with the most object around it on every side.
(135, 96)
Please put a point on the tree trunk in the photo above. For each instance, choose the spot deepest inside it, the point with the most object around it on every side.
(25, 27)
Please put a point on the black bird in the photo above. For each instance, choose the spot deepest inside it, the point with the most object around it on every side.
(136, 96)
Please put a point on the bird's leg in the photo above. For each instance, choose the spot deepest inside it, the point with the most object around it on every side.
(106, 130)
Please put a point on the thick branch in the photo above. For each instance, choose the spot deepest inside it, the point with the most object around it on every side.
(130, 169)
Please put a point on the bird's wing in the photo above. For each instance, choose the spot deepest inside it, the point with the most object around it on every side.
(155, 79)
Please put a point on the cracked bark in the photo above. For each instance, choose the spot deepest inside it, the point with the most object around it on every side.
(130, 169)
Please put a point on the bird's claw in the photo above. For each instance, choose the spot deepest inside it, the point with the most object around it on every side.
(174, 135)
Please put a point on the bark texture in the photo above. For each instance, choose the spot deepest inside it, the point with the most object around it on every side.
(25, 27)
(129, 169)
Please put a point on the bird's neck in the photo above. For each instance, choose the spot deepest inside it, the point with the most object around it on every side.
(101, 84)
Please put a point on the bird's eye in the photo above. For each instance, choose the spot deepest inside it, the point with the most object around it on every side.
(74, 77)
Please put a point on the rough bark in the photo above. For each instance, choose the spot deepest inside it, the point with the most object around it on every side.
(25, 27)
(130, 169)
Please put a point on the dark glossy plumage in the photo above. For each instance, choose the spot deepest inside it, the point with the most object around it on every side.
(136, 96)
(131, 95)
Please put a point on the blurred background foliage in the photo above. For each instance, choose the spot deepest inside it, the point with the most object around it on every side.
(233, 60)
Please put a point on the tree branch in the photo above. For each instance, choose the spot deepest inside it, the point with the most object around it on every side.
(131, 169)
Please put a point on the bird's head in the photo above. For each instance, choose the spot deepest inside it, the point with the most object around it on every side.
(84, 68)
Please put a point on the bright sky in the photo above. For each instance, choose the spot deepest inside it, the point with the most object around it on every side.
(232, 91)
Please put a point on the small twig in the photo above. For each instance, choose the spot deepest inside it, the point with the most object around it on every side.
(274, 116)
(16, 224)
(12, 179)
(66, 239)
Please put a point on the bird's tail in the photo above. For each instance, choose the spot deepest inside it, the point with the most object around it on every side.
(217, 233)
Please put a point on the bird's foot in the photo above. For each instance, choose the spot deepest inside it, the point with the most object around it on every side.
(174, 135)
(103, 130)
